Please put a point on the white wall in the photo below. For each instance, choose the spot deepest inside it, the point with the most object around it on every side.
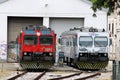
(3, 28)
(99, 22)
(55, 8)
(3, 36)
(48, 9)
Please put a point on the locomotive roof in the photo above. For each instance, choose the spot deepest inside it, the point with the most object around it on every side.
(32, 28)
(84, 31)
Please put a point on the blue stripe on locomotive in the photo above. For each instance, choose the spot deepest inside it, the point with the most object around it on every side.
(45, 32)
(29, 32)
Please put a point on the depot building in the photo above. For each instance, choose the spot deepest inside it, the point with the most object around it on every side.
(60, 15)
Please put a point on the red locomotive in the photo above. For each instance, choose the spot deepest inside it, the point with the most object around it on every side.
(37, 46)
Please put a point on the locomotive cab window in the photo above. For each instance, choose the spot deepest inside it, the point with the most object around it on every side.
(85, 41)
(30, 40)
(46, 40)
(101, 41)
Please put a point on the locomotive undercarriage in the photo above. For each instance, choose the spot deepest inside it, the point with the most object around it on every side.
(92, 60)
(37, 60)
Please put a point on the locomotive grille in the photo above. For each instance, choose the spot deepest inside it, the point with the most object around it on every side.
(93, 57)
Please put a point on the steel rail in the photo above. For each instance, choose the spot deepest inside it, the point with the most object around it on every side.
(87, 77)
(40, 76)
(17, 76)
(66, 76)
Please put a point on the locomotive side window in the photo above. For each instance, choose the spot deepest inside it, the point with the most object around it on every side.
(70, 41)
(64, 41)
(74, 41)
(85, 41)
(101, 41)
(46, 40)
(30, 40)
(67, 42)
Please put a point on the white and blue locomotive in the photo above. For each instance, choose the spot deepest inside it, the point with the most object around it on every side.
(86, 48)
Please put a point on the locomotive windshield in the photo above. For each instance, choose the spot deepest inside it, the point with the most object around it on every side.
(46, 40)
(101, 41)
(30, 40)
(85, 41)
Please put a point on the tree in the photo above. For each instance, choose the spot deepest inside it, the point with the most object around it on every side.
(111, 5)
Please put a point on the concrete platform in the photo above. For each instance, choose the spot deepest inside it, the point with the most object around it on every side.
(63, 67)
(9, 66)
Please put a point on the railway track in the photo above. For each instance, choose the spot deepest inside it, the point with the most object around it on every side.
(17, 76)
(90, 76)
(66, 76)
(59, 75)
(78, 75)
(27, 75)
(39, 76)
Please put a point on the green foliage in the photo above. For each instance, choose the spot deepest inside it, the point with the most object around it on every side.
(111, 5)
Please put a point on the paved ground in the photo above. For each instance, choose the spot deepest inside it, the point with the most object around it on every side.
(7, 69)
(9, 66)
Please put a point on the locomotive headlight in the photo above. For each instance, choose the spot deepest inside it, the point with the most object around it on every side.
(50, 54)
(81, 54)
(38, 33)
(105, 54)
(25, 53)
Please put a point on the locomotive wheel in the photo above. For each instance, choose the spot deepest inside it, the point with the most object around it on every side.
(67, 61)
(64, 60)
(71, 62)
